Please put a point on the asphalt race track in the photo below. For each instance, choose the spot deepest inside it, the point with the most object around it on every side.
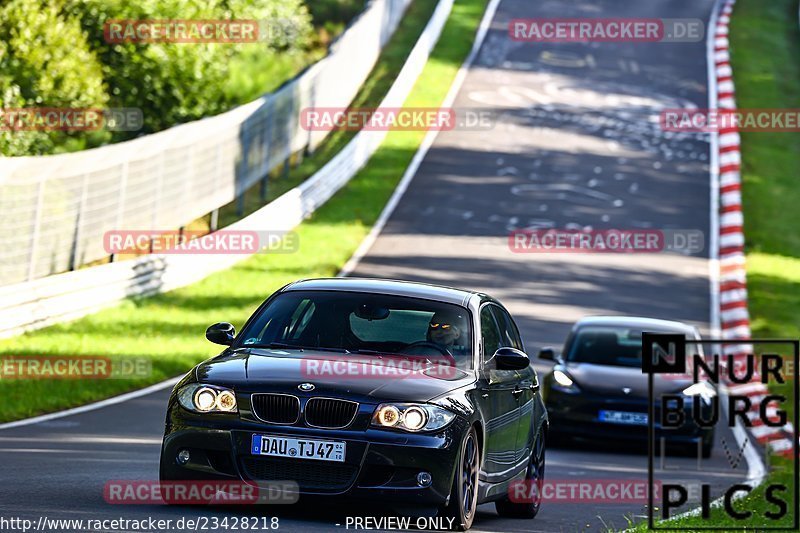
(576, 144)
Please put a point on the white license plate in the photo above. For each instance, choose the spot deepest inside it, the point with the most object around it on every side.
(321, 450)
(622, 417)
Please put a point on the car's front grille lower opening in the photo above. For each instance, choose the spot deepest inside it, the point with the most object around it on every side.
(309, 475)
(221, 461)
(375, 475)
(276, 408)
(330, 412)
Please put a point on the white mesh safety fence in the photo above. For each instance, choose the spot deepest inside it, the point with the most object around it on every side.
(55, 209)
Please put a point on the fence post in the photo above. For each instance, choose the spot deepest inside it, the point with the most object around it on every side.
(76, 236)
(188, 181)
(267, 146)
(37, 222)
(123, 183)
(214, 224)
(241, 179)
(264, 186)
(159, 188)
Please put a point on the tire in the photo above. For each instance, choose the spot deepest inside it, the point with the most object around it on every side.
(708, 446)
(464, 492)
(534, 476)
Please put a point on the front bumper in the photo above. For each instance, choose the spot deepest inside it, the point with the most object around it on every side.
(577, 415)
(379, 464)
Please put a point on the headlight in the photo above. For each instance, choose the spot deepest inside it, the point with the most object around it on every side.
(703, 389)
(205, 399)
(201, 398)
(415, 418)
(412, 416)
(563, 382)
(388, 416)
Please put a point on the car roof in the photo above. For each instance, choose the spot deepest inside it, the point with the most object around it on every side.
(637, 322)
(385, 286)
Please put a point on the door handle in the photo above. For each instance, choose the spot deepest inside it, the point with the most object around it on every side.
(516, 392)
(484, 393)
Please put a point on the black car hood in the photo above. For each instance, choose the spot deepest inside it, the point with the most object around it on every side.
(611, 380)
(262, 370)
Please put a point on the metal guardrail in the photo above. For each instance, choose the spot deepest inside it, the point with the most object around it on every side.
(42, 302)
(57, 208)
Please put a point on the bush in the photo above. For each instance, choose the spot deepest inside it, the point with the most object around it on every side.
(45, 61)
(335, 11)
(331, 16)
(53, 53)
(174, 83)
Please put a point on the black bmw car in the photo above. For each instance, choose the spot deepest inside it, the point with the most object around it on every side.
(596, 389)
(393, 392)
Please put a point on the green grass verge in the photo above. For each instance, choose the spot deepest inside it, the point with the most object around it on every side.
(754, 503)
(167, 329)
(765, 46)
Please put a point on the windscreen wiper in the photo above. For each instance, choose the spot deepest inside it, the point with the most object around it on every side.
(298, 347)
(275, 345)
(367, 352)
(409, 357)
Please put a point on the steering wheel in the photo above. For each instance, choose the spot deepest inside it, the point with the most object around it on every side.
(426, 344)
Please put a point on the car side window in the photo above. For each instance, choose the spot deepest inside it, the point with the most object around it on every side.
(509, 334)
(490, 334)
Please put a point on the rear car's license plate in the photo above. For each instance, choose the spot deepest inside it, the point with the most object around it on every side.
(321, 450)
(623, 417)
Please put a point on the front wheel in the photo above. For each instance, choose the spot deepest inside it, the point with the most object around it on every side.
(464, 493)
(708, 445)
(528, 505)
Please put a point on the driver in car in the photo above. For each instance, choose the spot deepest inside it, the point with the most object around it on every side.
(445, 329)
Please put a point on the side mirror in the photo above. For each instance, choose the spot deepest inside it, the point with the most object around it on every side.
(547, 353)
(511, 359)
(221, 333)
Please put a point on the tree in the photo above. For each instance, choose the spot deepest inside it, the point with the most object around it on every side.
(45, 61)
(174, 83)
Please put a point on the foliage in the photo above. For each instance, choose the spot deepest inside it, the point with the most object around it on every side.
(45, 61)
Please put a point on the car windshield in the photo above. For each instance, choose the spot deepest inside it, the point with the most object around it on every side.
(608, 345)
(363, 324)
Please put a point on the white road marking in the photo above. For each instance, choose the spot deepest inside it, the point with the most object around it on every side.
(93, 406)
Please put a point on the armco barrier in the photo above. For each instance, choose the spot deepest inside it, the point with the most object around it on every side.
(56, 208)
(38, 303)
